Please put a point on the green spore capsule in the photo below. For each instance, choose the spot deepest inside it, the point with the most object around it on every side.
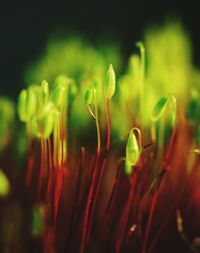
(110, 83)
(133, 151)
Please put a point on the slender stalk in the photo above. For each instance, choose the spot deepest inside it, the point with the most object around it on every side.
(152, 208)
(96, 196)
(94, 175)
(88, 205)
(142, 75)
(108, 123)
(102, 166)
(125, 216)
(97, 125)
(114, 188)
(50, 177)
(41, 172)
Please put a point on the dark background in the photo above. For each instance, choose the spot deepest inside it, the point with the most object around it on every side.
(25, 27)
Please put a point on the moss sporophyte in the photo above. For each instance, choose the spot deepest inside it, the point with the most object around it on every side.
(109, 157)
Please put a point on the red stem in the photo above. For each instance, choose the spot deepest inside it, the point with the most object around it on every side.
(146, 236)
(114, 188)
(126, 214)
(41, 172)
(88, 205)
(50, 178)
(95, 196)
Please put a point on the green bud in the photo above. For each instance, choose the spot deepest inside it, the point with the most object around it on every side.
(110, 83)
(4, 184)
(89, 96)
(132, 149)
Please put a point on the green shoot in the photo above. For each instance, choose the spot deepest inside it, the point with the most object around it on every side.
(109, 89)
(142, 78)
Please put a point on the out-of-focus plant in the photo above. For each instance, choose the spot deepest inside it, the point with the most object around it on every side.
(118, 181)
(7, 119)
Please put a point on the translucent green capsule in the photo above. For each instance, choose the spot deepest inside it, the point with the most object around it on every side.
(22, 105)
(159, 108)
(132, 149)
(89, 96)
(110, 83)
(4, 184)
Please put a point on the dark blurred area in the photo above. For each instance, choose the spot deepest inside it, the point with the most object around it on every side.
(25, 28)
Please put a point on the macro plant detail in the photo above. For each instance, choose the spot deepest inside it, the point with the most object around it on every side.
(109, 160)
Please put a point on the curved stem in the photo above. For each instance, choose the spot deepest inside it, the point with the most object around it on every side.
(97, 125)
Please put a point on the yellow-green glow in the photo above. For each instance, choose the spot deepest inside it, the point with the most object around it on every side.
(4, 184)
